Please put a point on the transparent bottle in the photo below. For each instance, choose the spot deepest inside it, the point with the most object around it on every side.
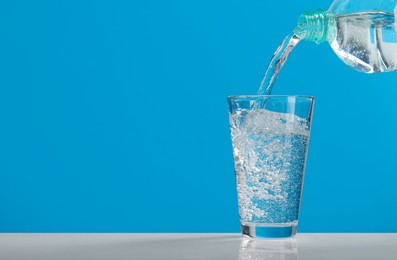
(362, 33)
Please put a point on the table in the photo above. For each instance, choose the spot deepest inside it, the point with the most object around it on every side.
(196, 247)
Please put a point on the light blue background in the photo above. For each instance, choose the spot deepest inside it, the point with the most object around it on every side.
(113, 117)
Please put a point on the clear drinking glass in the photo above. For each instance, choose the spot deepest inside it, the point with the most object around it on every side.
(270, 137)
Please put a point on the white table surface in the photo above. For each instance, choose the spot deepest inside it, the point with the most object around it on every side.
(196, 246)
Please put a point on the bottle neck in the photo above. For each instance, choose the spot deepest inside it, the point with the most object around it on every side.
(314, 26)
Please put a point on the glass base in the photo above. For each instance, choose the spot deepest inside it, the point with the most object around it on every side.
(268, 230)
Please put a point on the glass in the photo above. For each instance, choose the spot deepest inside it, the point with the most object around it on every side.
(270, 136)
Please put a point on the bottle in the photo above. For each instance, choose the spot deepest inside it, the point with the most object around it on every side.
(362, 33)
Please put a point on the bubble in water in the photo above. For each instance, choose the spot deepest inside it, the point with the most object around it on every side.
(269, 150)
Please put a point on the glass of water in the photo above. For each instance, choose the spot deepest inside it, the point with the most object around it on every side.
(270, 137)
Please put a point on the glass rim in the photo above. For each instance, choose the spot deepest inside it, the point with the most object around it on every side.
(268, 96)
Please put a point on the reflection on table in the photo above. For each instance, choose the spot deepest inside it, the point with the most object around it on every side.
(261, 249)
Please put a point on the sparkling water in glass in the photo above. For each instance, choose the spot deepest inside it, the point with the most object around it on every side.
(270, 136)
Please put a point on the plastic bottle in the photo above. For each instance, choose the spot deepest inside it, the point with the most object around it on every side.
(362, 33)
